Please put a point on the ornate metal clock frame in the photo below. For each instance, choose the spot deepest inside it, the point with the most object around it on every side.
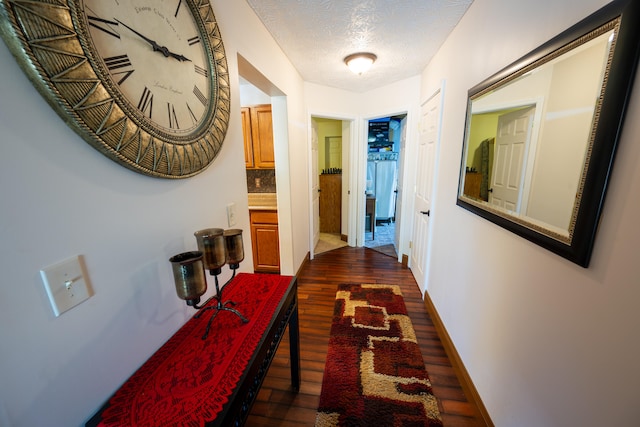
(53, 45)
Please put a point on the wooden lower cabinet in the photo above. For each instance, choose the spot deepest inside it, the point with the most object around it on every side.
(265, 241)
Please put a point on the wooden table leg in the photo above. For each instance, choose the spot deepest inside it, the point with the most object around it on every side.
(294, 349)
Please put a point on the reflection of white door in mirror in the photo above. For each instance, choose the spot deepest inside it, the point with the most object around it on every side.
(537, 179)
(580, 83)
(512, 141)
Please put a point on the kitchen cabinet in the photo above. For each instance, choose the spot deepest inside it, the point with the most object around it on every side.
(246, 132)
(265, 241)
(257, 128)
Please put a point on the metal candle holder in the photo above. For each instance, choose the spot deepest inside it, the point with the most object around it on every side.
(216, 247)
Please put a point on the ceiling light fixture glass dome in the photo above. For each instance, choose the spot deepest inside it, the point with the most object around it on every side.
(360, 62)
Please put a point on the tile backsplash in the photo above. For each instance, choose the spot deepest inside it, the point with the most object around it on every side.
(261, 180)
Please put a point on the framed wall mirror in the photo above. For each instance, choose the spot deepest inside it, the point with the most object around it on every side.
(541, 134)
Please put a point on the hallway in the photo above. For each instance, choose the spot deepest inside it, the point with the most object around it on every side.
(278, 405)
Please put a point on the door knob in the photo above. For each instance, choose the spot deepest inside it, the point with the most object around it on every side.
(427, 213)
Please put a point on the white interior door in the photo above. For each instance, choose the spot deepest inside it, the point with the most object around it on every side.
(425, 174)
(315, 184)
(512, 140)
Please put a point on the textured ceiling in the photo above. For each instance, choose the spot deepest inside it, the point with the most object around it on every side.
(316, 35)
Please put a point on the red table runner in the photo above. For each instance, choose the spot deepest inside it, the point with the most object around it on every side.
(188, 380)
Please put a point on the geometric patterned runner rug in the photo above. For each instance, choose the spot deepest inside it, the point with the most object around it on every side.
(374, 374)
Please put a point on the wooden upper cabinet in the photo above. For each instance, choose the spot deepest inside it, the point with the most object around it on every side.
(246, 131)
(262, 135)
(258, 137)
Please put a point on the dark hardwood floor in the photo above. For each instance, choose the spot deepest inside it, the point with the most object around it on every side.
(278, 405)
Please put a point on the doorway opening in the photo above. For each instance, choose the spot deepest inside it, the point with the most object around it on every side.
(268, 183)
(385, 140)
(330, 183)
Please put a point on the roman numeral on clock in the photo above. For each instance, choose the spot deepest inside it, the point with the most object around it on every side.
(200, 96)
(194, 120)
(178, 9)
(146, 102)
(201, 71)
(193, 40)
(116, 62)
(103, 25)
(173, 119)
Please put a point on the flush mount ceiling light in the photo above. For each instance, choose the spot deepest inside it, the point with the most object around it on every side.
(358, 63)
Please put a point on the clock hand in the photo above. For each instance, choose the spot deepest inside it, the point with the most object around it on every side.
(156, 47)
(178, 57)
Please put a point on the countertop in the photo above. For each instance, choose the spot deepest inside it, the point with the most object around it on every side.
(263, 201)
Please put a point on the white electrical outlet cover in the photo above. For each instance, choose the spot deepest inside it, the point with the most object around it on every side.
(66, 284)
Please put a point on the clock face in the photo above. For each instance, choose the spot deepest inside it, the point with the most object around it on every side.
(156, 57)
(143, 81)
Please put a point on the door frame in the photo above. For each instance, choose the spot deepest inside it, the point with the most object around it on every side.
(347, 172)
(354, 164)
(404, 225)
(279, 115)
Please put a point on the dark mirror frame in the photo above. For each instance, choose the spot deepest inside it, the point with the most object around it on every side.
(605, 134)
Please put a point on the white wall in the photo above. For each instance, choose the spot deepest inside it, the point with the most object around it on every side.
(546, 342)
(398, 97)
(251, 95)
(61, 197)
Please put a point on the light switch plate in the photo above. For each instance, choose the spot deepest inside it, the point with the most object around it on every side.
(66, 284)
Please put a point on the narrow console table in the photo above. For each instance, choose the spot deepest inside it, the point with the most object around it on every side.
(212, 382)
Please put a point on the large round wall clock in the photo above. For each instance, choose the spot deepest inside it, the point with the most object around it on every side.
(143, 81)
